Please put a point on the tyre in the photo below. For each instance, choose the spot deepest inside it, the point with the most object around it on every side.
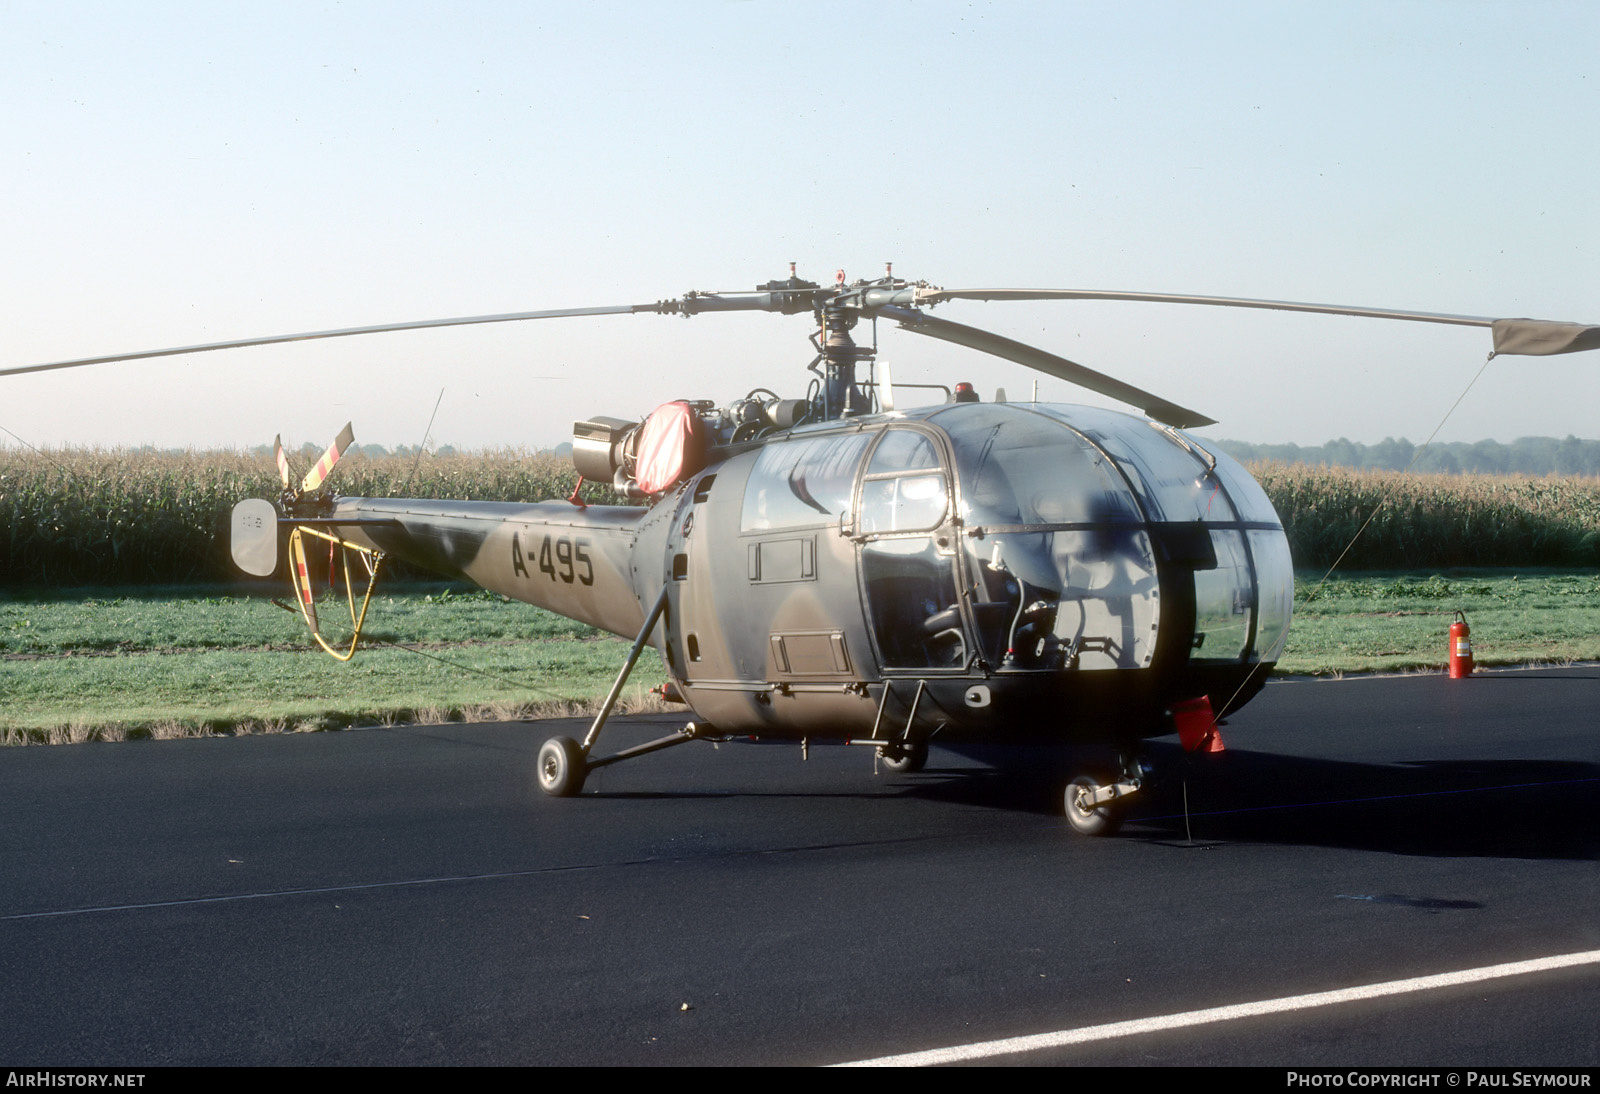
(1096, 821)
(904, 761)
(562, 767)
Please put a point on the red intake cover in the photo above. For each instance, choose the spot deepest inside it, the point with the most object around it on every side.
(1197, 725)
(672, 446)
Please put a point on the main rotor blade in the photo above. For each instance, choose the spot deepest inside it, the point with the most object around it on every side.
(1528, 337)
(1023, 354)
(346, 332)
(317, 474)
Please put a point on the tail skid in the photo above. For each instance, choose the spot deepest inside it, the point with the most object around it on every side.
(305, 598)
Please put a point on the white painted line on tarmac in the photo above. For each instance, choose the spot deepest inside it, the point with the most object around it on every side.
(1061, 1038)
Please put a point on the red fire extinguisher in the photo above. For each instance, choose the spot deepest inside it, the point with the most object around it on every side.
(1460, 648)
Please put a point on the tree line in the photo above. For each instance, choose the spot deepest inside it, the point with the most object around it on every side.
(1523, 456)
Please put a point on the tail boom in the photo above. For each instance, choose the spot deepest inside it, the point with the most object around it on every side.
(575, 562)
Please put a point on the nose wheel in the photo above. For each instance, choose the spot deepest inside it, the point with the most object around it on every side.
(1086, 817)
(1094, 806)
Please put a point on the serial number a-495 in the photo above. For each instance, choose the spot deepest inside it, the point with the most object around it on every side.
(560, 558)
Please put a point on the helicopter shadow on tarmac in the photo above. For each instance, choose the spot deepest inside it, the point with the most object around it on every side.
(1515, 808)
(1506, 808)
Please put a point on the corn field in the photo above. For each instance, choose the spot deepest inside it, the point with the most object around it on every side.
(85, 516)
(1433, 521)
(97, 517)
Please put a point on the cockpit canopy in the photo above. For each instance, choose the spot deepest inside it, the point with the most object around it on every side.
(1084, 501)
(1067, 517)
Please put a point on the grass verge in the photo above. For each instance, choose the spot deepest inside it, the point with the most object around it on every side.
(1398, 622)
(114, 664)
(108, 664)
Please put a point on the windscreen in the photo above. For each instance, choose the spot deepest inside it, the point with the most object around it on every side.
(1066, 510)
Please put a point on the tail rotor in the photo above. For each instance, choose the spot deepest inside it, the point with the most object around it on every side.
(319, 471)
(308, 512)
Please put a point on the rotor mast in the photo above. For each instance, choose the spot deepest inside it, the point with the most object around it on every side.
(837, 309)
(840, 393)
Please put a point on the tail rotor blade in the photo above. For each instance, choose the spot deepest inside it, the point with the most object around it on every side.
(283, 462)
(317, 474)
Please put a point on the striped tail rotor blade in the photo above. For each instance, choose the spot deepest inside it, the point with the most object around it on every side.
(317, 474)
(283, 462)
(300, 576)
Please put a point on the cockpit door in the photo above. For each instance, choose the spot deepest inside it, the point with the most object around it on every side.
(904, 524)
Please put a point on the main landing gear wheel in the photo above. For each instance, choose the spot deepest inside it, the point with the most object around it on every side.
(562, 767)
(1089, 820)
(904, 761)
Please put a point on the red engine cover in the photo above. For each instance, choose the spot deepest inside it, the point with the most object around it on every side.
(672, 446)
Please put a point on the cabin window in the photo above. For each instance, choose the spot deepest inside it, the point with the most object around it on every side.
(905, 503)
(1023, 468)
(904, 489)
(903, 450)
(1223, 601)
(802, 482)
(1269, 550)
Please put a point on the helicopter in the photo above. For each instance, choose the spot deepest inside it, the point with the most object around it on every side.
(837, 566)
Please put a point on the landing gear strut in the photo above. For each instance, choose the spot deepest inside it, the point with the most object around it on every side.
(564, 764)
(902, 755)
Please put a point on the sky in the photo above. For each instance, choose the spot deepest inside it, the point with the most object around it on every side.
(182, 173)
